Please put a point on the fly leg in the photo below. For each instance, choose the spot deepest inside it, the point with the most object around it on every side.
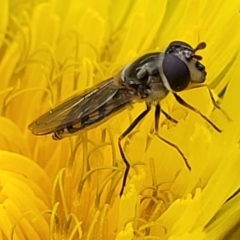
(185, 104)
(215, 104)
(124, 134)
(156, 127)
(168, 116)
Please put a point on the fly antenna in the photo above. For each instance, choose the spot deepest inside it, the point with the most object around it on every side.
(200, 46)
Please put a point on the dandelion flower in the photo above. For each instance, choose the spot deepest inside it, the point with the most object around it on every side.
(69, 189)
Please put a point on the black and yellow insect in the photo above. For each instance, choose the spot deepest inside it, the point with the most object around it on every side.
(149, 79)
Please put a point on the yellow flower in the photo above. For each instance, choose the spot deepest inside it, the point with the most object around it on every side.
(69, 189)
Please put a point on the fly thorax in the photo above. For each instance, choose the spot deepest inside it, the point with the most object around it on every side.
(143, 91)
(158, 91)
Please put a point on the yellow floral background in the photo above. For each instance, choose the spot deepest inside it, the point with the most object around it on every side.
(69, 189)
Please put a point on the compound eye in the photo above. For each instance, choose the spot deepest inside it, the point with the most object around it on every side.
(176, 72)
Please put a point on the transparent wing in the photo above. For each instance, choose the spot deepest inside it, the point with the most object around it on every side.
(75, 109)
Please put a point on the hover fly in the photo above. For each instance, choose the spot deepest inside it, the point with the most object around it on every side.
(149, 79)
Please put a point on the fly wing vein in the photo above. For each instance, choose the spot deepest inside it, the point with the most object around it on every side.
(73, 110)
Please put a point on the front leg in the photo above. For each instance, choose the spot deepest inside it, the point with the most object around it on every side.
(215, 104)
(185, 104)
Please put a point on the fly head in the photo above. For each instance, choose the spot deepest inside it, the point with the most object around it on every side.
(181, 67)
